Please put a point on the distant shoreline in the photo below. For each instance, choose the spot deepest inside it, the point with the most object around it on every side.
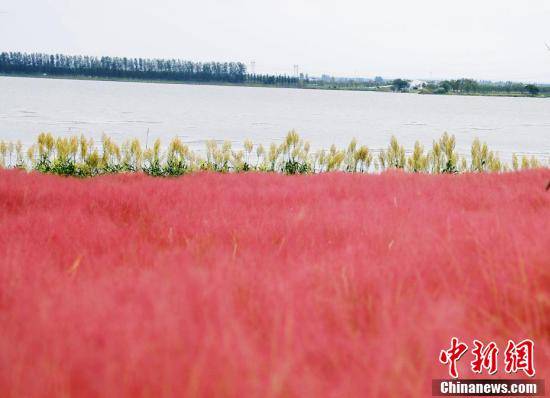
(308, 86)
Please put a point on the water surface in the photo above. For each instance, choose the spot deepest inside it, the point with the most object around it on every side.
(198, 112)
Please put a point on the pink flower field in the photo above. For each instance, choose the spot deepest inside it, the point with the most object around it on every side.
(265, 285)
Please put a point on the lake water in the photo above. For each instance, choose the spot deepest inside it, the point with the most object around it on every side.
(198, 112)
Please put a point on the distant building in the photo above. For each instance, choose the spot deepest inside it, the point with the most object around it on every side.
(417, 85)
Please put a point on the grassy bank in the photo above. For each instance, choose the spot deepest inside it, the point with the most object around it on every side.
(307, 85)
(265, 285)
(493, 94)
(79, 156)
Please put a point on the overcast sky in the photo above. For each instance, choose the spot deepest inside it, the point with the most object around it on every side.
(482, 39)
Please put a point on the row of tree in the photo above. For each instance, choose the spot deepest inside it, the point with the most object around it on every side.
(472, 86)
(117, 67)
(18, 63)
(276, 80)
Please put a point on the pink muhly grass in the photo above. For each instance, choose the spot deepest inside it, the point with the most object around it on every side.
(265, 285)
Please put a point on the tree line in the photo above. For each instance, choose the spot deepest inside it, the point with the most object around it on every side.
(276, 80)
(18, 63)
(121, 67)
(470, 86)
(177, 70)
(473, 86)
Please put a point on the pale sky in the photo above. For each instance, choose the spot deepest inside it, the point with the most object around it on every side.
(481, 39)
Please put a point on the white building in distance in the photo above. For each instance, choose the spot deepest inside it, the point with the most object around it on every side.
(417, 85)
